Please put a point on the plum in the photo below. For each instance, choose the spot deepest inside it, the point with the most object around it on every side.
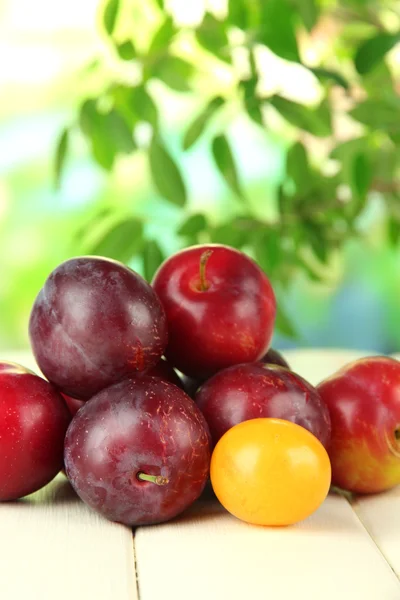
(257, 390)
(363, 399)
(95, 322)
(139, 451)
(33, 423)
(220, 308)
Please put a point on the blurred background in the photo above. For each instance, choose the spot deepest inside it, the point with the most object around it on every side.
(133, 128)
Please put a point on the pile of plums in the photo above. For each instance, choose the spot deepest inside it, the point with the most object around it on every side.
(143, 380)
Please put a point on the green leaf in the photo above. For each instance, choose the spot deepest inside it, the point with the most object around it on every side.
(298, 169)
(315, 237)
(110, 15)
(166, 175)
(197, 127)
(211, 34)
(251, 101)
(334, 76)
(238, 13)
(371, 52)
(152, 258)
(307, 268)
(393, 230)
(308, 11)
(379, 114)
(255, 113)
(174, 72)
(231, 234)
(285, 202)
(225, 162)
(121, 242)
(119, 134)
(268, 251)
(194, 225)
(284, 324)
(361, 175)
(144, 106)
(316, 121)
(126, 50)
(108, 133)
(163, 36)
(61, 153)
(136, 105)
(346, 150)
(94, 126)
(277, 30)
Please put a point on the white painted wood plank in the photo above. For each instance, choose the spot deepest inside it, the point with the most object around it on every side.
(315, 364)
(208, 554)
(380, 514)
(53, 547)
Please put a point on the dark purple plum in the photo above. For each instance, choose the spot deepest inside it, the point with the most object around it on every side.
(138, 452)
(94, 322)
(33, 422)
(273, 357)
(162, 369)
(257, 390)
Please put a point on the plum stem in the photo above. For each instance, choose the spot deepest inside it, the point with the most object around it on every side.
(397, 434)
(204, 285)
(157, 479)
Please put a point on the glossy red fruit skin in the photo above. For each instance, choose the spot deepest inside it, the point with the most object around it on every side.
(162, 369)
(33, 422)
(273, 357)
(139, 425)
(93, 323)
(364, 403)
(229, 323)
(256, 390)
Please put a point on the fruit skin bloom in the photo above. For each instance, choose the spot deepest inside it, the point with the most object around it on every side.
(270, 472)
(220, 309)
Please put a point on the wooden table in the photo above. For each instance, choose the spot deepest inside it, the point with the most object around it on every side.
(52, 547)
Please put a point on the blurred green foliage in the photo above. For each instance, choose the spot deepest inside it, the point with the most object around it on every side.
(267, 125)
(325, 186)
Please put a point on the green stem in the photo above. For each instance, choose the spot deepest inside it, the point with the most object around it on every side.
(157, 479)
